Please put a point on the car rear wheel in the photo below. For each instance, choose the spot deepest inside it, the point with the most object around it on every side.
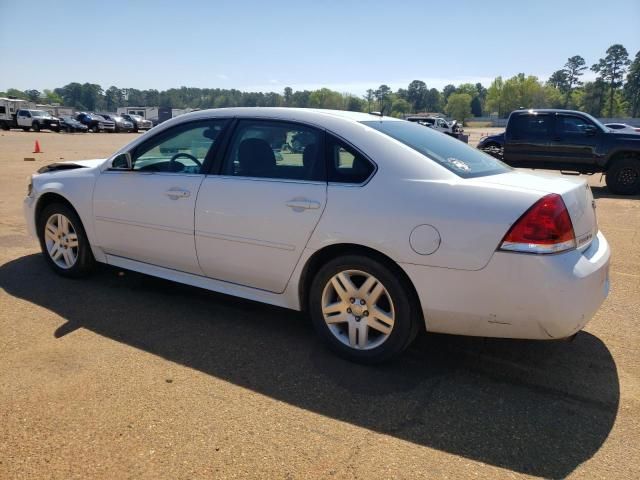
(623, 177)
(36, 127)
(362, 309)
(64, 242)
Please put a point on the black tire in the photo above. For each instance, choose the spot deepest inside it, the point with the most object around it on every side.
(95, 129)
(406, 307)
(36, 127)
(84, 261)
(26, 129)
(623, 177)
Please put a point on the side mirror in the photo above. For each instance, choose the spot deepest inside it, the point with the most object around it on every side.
(122, 162)
(590, 130)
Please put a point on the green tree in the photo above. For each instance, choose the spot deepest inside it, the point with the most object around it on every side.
(416, 95)
(33, 95)
(354, 104)
(15, 93)
(592, 97)
(325, 98)
(369, 99)
(433, 101)
(382, 96)
(288, 94)
(448, 90)
(494, 97)
(611, 70)
(573, 69)
(52, 97)
(559, 80)
(459, 106)
(113, 98)
(399, 107)
(632, 87)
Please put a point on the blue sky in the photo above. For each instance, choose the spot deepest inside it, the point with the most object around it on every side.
(267, 45)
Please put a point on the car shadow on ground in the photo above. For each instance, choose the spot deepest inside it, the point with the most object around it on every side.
(603, 192)
(540, 408)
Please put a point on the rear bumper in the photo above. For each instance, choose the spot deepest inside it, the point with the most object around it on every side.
(516, 295)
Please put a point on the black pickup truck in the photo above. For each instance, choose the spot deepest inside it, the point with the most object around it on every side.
(569, 141)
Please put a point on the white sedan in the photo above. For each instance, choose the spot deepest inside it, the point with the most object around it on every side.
(377, 227)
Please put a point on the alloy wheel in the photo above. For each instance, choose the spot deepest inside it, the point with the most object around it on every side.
(61, 241)
(358, 309)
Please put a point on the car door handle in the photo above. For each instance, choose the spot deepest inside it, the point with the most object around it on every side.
(303, 204)
(176, 193)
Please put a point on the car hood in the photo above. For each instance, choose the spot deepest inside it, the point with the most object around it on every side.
(71, 165)
(625, 135)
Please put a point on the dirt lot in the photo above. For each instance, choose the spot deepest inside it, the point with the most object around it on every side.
(126, 376)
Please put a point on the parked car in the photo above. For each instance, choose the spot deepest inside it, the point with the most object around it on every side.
(378, 228)
(36, 120)
(139, 123)
(70, 124)
(452, 128)
(622, 127)
(96, 123)
(121, 124)
(571, 141)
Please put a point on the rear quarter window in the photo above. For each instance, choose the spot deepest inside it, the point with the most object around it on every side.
(452, 154)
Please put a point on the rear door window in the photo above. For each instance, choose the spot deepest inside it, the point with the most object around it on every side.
(277, 150)
(452, 154)
(531, 126)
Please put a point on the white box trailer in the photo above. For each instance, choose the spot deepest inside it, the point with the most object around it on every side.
(155, 114)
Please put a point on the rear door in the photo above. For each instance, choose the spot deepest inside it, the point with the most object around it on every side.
(528, 140)
(254, 219)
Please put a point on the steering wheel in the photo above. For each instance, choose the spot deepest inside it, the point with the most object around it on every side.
(172, 162)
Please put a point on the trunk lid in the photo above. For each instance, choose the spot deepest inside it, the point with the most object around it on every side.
(575, 193)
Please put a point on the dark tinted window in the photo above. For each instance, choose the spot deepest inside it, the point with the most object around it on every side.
(269, 149)
(345, 164)
(181, 149)
(3, 110)
(530, 126)
(572, 125)
(449, 152)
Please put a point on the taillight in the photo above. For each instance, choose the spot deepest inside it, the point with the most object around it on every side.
(545, 228)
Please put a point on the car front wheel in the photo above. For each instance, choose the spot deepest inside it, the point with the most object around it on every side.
(363, 309)
(64, 242)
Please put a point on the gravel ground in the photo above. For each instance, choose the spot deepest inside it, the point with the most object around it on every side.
(126, 376)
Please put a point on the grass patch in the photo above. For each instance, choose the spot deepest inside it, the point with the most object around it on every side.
(478, 124)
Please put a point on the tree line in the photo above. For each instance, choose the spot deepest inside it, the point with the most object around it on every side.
(614, 92)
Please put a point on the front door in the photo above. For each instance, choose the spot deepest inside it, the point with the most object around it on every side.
(146, 213)
(253, 221)
(575, 142)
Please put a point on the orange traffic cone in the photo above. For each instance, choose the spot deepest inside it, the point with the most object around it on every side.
(36, 148)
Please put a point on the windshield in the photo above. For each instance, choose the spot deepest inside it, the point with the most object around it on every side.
(38, 113)
(452, 154)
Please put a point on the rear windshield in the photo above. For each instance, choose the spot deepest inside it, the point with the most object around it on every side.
(454, 155)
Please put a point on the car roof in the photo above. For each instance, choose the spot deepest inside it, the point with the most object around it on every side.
(311, 115)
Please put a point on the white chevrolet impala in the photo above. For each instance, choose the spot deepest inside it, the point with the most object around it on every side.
(375, 226)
